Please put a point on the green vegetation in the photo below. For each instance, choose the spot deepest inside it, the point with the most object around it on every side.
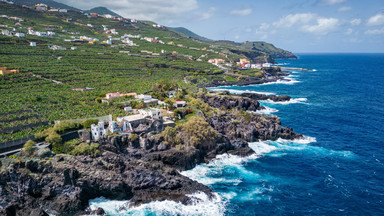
(199, 133)
(89, 122)
(42, 92)
(29, 146)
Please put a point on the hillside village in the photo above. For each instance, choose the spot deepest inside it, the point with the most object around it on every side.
(113, 37)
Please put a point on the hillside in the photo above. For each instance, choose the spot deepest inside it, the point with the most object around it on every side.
(268, 48)
(189, 33)
(106, 55)
(263, 47)
(102, 10)
(51, 3)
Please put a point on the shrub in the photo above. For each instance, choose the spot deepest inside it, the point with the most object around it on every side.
(99, 100)
(85, 149)
(89, 122)
(133, 137)
(29, 145)
(56, 141)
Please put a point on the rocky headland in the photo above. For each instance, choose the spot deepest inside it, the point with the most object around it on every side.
(141, 169)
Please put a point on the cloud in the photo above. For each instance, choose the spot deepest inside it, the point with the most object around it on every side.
(323, 26)
(375, 31)
(206, 15)
(345, 8)
(331, 2)
(292, 19)
(376, 20)
(155, 10)
(355, 22)
(244, 12)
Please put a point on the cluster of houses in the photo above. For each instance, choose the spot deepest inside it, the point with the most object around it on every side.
(126, 125)
(56, 47)
(40, 34)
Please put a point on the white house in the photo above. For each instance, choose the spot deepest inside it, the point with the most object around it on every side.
(18, 34)
(123, 127)
(151, 112)
(32, 44)
(129, 109)
(5, 32)
(73, 48)
(267, 65)
(63, 10)
(144, 97)
(98, 130)
(50, 33)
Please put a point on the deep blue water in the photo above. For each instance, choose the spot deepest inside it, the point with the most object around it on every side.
(341, 173)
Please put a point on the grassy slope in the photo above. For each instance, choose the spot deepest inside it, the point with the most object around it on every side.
(97, 66)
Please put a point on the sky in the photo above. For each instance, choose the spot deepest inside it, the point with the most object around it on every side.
(317, 26)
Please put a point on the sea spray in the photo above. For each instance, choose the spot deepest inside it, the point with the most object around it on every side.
(200, 205)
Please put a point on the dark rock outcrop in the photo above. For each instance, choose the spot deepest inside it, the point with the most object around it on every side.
(226, 102)
(276, 98)
(251, 127)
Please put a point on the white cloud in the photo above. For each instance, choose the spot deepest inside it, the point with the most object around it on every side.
(244, 12)
(248, 30)
(375, 31)
(292, 19)
(345, 8)
(323, 26)
(355, 22)
(155, 10)
(332, 2)
(376, 20)
(206, 15)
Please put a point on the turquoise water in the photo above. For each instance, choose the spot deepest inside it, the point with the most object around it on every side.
(337, 170)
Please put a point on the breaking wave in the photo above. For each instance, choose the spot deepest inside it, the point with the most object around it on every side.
(201, 205)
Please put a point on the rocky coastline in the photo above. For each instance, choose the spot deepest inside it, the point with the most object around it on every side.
(271, 75)
(140, 170)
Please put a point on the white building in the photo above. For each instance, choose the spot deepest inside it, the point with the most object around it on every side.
(129, 109)
(98, 130)
(144, 97)
(63, 10)
(18, 34)
(267, 65)
(151, 112)
(73, 48)
(123, 127)
(32, 44)
(5, 32)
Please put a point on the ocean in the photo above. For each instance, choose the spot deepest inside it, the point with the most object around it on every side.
(338, 169)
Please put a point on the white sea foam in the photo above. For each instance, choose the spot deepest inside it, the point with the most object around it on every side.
(291, 101)
(267, 111)
(201, 205)
(304, 140)
(286, 81)
(236, 91)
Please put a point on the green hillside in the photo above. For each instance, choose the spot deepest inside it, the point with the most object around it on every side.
(102, 10)
(50, 3)
(190, 34)
(262, 47)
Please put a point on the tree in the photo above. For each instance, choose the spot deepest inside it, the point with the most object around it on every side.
(199, 133)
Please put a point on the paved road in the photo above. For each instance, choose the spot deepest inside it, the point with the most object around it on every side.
(38, 146)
